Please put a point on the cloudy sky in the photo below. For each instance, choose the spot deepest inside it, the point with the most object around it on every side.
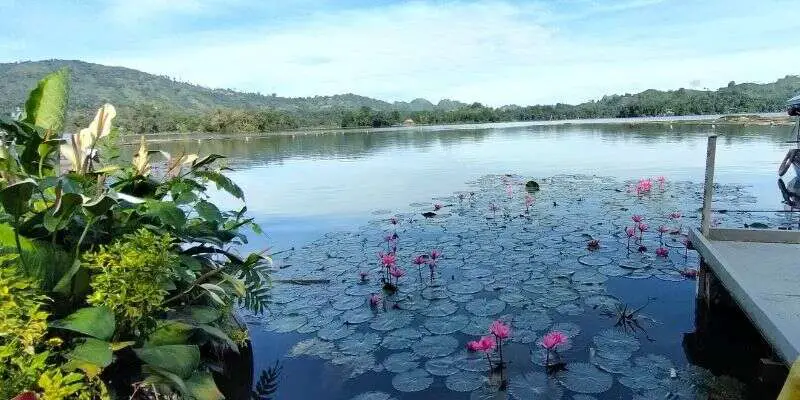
(493, 51)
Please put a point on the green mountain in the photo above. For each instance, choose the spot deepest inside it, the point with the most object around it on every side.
(152, 103)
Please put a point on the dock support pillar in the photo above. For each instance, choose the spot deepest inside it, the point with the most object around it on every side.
(708, 186)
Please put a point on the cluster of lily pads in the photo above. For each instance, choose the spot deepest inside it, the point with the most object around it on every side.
(534, 266)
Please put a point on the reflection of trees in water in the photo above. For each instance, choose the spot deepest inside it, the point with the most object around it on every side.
(356, 144)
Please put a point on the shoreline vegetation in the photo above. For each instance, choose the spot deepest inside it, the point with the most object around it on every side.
(741, 120)
(152, 104)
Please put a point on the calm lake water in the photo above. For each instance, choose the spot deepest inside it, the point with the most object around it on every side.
(300, 187)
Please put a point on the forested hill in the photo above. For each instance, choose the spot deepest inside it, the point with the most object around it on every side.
(150, 103)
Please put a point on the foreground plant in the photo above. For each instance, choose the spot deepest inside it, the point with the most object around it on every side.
(550, 342)
(117, 282)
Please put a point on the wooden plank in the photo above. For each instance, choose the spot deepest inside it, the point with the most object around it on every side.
(755, 235)
(763, 279)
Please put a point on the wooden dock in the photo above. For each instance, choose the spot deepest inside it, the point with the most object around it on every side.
(760, 269)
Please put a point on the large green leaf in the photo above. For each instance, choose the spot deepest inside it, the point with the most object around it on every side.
(65, 283)
(169, 332)
(58, 217)
(167, 212)
(97, 322)
(202, 387)
(220, 335)
(181, 360)
(155, 375)
(47, 104)
(205, 314)
(15, 198)
(222, 182)
(93, 351)
(208, 211)
(100, 205)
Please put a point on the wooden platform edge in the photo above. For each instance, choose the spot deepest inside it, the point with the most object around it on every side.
(755, 235)
(757, 316)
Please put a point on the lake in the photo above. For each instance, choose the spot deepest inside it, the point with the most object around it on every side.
(303, 187)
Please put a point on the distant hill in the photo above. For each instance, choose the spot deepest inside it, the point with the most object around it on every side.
(93, 84)
(152, 103)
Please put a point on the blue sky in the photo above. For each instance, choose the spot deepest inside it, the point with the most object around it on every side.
(494, 51)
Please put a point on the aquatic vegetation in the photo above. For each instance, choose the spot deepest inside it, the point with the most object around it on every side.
(535, 275)
(662, 252)
(551, 341)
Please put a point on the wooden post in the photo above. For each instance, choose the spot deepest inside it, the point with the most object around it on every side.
(708, 186)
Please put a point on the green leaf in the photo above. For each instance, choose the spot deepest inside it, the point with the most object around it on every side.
(97, 322)
(222, 182)
(181, 360)
(47, 104)
(15, 197)
(168, 333)
(202, 387)
(219, 334)
(208, 211)
(205, 315)
(157, 375)
(167, 212)
(116, 346)
(206, 160)
(63, 285)
(58, 217)
(93, 351)
(99, 206)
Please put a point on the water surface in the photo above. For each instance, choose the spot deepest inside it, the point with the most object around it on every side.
(303, 186)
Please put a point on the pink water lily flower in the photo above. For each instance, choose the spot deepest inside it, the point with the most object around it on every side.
(387, 259)
(637, 218)
(631, 232)
(500, 330)
(374, 300)
(420, 260)
(435, 254)
(553, 339)
(675, 215)
(663, 229)
(662, 251)
(642, 227)
(487, 343)
(474, 345)
(529, 201)
(396, 272)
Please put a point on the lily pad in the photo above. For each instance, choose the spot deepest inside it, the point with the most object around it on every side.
(401, 362)
(464, 381)
(534, 386)
(435, 346)
(401, 338)
(485, 307)
(412, 381)
(585, 378)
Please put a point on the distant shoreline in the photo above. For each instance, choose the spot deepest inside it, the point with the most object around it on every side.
(767, 119)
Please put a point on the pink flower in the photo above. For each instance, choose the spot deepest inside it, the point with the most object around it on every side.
(675, 215)
(396, 272)
(553, 339)
(437, 207)
(474, 345)
(637, 218)
(529, 200)
(631, 232)
(644, 186)
(642, 227)
(374, 300)
(662, 251)
(499, 329)
(487, 343)
(422, 259)
(387, 259)
(663, 229)
(435, 254)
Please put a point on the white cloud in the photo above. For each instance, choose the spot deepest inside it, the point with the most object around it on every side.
(489, 51)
